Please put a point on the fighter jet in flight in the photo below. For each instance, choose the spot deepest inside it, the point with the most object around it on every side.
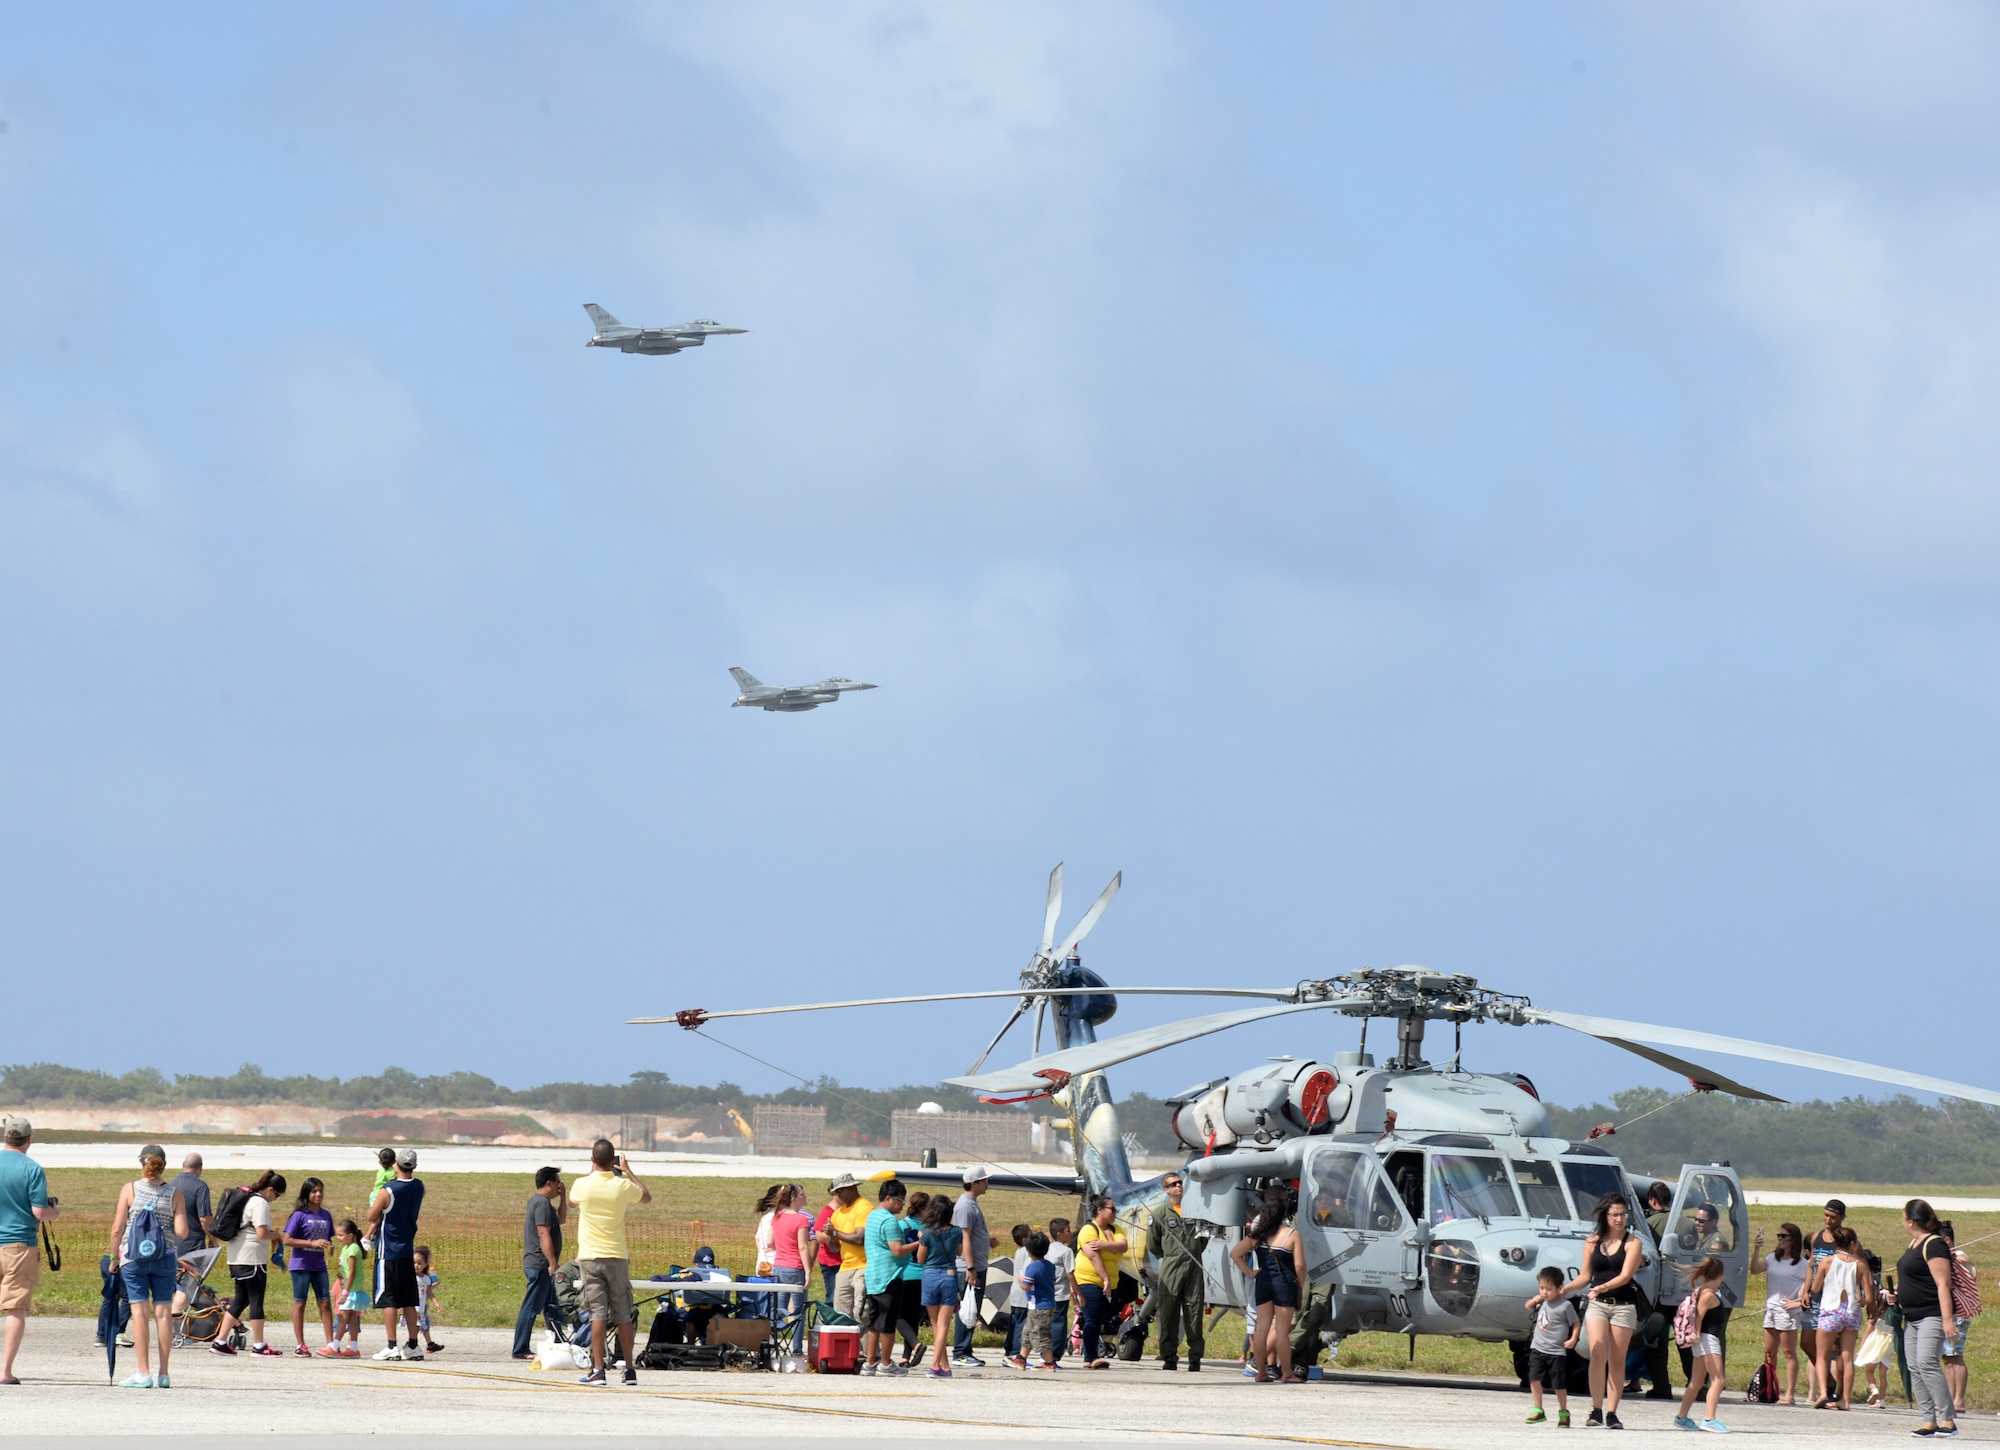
(652, 341)
(789, 697)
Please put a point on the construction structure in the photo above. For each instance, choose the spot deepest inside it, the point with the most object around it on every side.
(959, 1136)
(787, 1132)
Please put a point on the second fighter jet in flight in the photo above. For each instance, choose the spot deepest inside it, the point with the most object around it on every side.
(789, 698)
(653, 341)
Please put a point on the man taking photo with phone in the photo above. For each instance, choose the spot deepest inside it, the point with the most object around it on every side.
(604, 1264)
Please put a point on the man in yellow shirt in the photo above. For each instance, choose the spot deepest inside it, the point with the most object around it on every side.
(846, 1227)
(1099, 1246)
(604, 1264)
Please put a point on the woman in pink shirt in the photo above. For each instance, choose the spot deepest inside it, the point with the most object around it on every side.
(791, 1243)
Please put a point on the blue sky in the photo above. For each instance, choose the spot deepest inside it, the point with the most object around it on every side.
(1510, 490)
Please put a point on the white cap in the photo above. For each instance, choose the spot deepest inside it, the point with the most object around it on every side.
(977, 1173)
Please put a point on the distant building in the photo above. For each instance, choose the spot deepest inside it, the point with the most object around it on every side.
(960, 1135)
(785, 1132)
(474, 1130)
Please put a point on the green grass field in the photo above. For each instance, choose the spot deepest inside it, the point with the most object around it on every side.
(481, 1282)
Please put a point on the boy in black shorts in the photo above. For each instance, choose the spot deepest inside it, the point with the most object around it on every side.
(1556, 1329)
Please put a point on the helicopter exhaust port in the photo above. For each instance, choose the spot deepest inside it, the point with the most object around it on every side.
(1263, 1106)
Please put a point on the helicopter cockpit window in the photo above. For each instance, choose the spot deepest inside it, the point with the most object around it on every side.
(1589, 1182)
(1541, 1189)
(1470, 1186)
(1337, 1189)
(1711, 1216)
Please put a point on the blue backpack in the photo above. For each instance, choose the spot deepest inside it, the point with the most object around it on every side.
(146, 1238)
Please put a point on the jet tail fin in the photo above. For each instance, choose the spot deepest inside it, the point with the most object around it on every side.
(744, 679)
(600, 319)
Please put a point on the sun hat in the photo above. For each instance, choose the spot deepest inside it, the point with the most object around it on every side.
(845, 1180)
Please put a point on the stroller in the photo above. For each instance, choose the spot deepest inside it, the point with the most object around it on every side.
(202, 1318)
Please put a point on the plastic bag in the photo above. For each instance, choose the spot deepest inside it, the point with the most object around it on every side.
(968, 1305)
(1875, 1347)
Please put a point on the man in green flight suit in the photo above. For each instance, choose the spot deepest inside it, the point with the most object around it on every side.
(1181, 1292)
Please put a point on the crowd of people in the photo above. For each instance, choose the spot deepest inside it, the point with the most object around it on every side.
(159, 1224)
(909, 1261)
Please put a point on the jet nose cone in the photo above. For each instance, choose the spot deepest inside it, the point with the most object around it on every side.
(857, 685)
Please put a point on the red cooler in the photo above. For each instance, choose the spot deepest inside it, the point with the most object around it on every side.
(836, 1348)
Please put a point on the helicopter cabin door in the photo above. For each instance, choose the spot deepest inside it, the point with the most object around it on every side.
(1354, 1227)
(1708, 1219)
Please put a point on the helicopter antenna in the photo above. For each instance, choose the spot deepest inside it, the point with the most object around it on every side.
(1364, 1039)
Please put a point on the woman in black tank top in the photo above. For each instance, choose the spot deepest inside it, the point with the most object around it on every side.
(1611, 1257)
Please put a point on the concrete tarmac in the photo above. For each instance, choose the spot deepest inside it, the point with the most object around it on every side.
(474, 1390)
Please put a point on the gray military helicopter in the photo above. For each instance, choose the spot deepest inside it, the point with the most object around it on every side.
(652, 341)
(790, 698)
(1429, 1196)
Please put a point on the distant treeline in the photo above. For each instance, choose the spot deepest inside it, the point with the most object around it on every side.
(1855, 1140)
(857, 1114)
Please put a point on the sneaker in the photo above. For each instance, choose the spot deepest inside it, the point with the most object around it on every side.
(394, 1351)
(264, 1351)
(966, 1361)
(410, 1351)
(937, 1374)
(125, 1342)
(1596, 1417)
(329, 1351)
(1018, 1361)
(136, 1382)
(866, 1371)
(219, 1346)
(1925, 1431)
(431, 1346)
(302, 1352)
(1682, 1422)
(1612, 1422)
(1251, 1372)
(1715, 1427)
(595, 1377)
(1536, 1417)
(163, 1383)
(1562, 1419)
(353, 1351)
(1950, 1429)
(630, 1378)
(897, 1370)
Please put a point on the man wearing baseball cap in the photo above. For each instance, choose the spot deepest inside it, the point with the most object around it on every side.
(396, 1206)
(970, 1219)
(24, 1204)
(846, 1226)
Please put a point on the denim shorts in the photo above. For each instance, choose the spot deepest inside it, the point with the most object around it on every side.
(941, 1286)
(150, 1279)
(313, 1279)
(1954, 1346)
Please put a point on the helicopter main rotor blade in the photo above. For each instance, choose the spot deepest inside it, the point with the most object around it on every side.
(1004, 1027)
(1624, 1033)
(1055, 908)
(1090, 917)
(1039, 1074)
(1701, 1079)
(695, 1016)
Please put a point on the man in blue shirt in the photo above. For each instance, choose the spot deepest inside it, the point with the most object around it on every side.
(883, 1240)
(395, 1209)
(24, 1204)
